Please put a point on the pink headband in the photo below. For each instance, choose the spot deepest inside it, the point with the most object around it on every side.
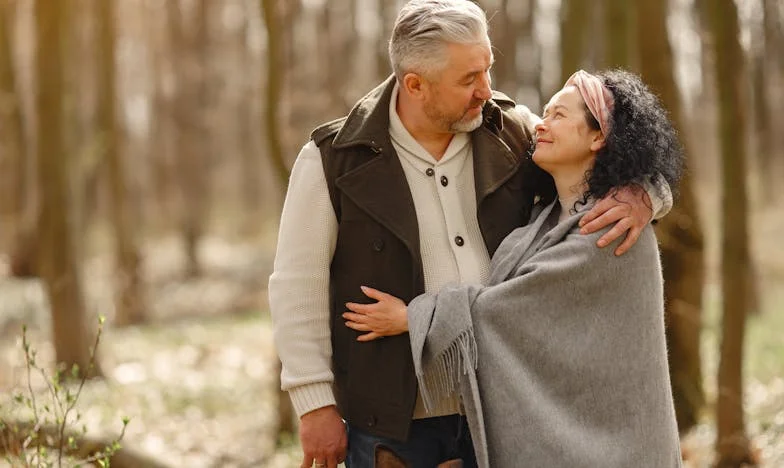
(597, 97)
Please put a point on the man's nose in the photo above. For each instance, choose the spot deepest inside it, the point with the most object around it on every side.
(484, 92)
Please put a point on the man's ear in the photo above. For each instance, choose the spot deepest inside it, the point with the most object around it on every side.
(414, 85)
(598, 141)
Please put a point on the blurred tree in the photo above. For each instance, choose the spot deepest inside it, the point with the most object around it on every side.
(129, 295)
(680, 232)
(57, 257)
(619, 16)
(191, 136)
(774, 31)
(504, 31)
(763, 50)
(12, 156)
(385, 17)
(338, 36)
(732, 443)
(18, 207)
(161, 139)
(529, 70)
(274, 70)
(250, 160)
(573, 22)
(328, 39)
(269, 10)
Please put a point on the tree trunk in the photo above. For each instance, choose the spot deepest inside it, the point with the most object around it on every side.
(504, 35)
(191, 142)
(383, 67)
(274, 87)
(680, 232)
(573, 21)
(274, 70)
(163, 132)
(529, 70)
(764, 117)
(18, 208)
(196, 164)
(58, 260)
(250, 161)
(774, 31)
(618, 21)
(732, 444)
(129, 301)
(12, 153)
(327, 39)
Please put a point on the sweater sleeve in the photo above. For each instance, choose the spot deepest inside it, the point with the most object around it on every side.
(659, 192)
(299, 285)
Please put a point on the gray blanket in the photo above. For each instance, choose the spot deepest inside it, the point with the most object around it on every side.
(560, 360)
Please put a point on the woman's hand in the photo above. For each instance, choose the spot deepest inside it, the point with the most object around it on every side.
(387, 317)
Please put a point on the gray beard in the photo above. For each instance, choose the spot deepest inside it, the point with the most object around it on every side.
(466, 126)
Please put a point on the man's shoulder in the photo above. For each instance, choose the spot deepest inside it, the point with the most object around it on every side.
(327, 130)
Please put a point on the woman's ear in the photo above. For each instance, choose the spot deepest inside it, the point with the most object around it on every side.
(598, 141)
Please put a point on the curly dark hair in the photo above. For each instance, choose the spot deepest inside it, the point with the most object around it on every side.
(642, 142)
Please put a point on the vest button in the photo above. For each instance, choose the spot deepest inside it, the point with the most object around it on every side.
(371, 421)
(444, 181)
(378, 245)
(430, 172)
(459, 241)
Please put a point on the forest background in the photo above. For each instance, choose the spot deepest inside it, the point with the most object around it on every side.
(145, 147)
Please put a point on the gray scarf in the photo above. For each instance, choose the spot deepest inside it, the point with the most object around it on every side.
(560, 360)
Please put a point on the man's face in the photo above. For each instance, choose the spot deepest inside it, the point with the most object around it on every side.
(457, 93)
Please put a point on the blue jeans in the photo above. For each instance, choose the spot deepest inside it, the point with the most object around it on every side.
(430, 441)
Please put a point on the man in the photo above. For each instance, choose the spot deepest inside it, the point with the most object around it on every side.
(414, 189)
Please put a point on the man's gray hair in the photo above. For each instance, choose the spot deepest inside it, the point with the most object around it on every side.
(423, 29)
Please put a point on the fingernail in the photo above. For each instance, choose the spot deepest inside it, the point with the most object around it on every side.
(363, 288)
(602, 243)
(583, 231)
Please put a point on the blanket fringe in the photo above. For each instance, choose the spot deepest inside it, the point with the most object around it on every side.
(441, 377)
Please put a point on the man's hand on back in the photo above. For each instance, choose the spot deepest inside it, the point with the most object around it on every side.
(323, 437)
(628, 207)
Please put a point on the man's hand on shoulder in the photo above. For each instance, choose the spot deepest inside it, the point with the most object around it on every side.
(628, 207)
(323, 437)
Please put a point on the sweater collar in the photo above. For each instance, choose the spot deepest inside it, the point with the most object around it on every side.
(408, 144)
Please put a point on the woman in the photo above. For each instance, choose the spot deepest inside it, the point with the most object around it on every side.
(560, 359)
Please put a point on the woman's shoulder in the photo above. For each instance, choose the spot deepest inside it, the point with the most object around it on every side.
(644, 249)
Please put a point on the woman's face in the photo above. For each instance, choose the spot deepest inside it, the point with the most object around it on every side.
(563, 138)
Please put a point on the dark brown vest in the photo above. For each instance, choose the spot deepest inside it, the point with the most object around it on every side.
(378, 242)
